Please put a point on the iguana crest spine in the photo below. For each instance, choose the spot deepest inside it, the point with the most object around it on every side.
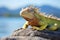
(43, 14)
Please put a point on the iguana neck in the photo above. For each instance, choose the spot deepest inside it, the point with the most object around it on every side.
(41, 18)
(38, 16)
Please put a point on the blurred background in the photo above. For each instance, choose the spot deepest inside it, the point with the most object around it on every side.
(10, 18)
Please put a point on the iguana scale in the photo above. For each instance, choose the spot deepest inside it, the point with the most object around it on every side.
(38, 20)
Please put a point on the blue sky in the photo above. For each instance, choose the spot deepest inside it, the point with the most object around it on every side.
(13, 4)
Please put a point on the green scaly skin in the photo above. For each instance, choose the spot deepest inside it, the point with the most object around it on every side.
(44, 22)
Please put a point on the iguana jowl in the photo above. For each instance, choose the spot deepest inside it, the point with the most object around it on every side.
(38, 20)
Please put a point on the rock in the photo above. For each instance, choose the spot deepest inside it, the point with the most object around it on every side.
(30, 34)
(53, 35)
(23, 38)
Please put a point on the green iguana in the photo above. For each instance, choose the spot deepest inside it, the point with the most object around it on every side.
(38, 20)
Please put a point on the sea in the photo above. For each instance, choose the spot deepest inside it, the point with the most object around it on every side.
(9, 24)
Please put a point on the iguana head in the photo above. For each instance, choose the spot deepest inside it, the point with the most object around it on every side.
(28, 13)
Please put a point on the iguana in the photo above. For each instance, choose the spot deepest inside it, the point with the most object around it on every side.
(39, 21)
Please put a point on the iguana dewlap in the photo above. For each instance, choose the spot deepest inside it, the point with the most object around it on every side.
(37, 20)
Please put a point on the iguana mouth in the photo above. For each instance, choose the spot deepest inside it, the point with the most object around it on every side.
(28, 19)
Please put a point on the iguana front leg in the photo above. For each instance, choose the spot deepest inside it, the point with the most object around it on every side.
(40, 28)
(25, 25)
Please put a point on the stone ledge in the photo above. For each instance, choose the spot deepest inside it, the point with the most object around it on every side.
(30, 34)
(23, 38)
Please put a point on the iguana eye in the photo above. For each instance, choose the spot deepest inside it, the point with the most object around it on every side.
(31, 10)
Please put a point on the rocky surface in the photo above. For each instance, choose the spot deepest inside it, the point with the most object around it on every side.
(24, 38)
(30, 34)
